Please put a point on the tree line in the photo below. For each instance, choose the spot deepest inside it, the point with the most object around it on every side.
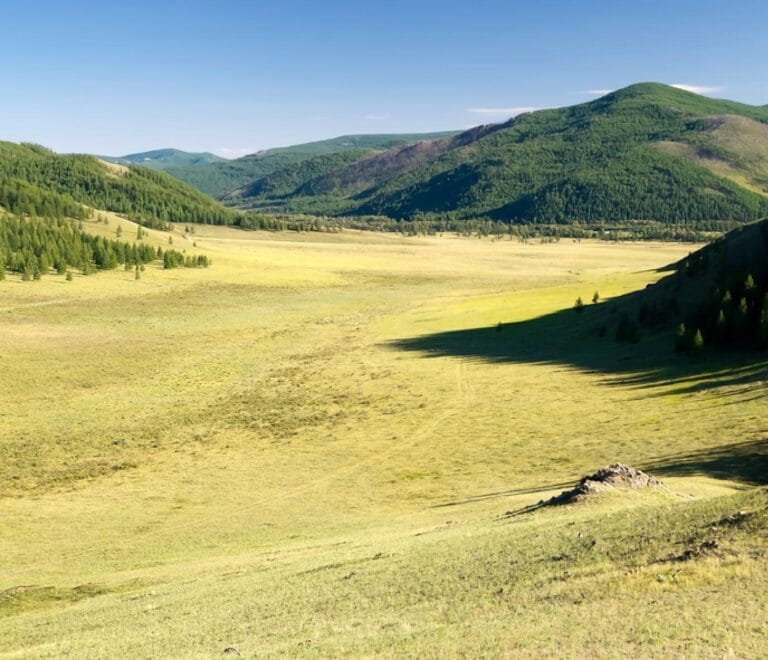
(36, 181)
(36, 246)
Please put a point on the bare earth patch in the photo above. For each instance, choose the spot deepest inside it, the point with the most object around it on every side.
(606, 479)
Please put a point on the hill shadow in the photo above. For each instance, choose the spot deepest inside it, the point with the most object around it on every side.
(746, 462)
(587, 341)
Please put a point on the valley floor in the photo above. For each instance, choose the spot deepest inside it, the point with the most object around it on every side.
(284, 454)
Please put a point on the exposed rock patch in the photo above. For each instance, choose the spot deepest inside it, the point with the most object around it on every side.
(609, 478)
(605, 479)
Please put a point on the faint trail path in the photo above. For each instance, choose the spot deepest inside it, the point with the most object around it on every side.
(465, 386)
(41, 303)
(464, 392)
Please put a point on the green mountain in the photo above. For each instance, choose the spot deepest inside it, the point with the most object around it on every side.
(220, 179)
(35, 181)
(162, 159)
(646, 152)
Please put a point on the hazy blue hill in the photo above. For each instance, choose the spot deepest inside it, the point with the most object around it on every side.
(161, 159)
(364, 141)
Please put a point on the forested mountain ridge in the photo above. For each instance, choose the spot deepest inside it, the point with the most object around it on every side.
(646, 152)
(35, 181)
(222, 178)
(161, 159)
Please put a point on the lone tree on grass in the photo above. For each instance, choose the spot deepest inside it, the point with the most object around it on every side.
(578, 306)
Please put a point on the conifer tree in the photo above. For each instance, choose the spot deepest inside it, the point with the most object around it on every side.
(697, 343)
(681, 338)
(762, 330)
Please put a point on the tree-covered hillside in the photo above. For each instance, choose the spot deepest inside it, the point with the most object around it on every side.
(35, 246)
(717, 297)
(294, 179)
(222, 178)
(36, 181)
(646, 152)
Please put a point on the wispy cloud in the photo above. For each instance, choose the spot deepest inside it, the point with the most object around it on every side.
(235, 152)
(507, 112)
(596, 92)
(698, 89)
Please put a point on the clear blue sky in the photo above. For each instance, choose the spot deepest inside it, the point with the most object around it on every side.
(236, 76)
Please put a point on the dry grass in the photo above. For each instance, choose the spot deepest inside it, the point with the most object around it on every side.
(241, 455)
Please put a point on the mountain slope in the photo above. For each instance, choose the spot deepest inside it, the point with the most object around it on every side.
(715, 297)
(221, 178)
(646, 152)
(36, 181)
(162, 159)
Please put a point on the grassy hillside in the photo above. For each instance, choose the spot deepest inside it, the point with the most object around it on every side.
(219, 179)
(714, 300)
(647, 152)
(36, 181)
(257, 443)
(719, 292)
(162, 159)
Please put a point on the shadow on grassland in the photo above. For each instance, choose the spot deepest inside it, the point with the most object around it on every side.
(587, 341)
(746, 462)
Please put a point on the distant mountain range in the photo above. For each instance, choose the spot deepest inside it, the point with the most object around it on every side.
(162, 159)
(648, 151)
(221, 178)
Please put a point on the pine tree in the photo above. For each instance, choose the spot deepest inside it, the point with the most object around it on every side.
(762, 329)
(681, 338)
(741, 318)
(578, 306)
(721, 326)
(595, 297)
(697, 343)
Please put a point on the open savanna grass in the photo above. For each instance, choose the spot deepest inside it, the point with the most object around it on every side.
(257, 454)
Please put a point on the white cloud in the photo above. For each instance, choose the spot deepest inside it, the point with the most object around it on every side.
(698, 89)
(596, 92)
(235, 152)
(508, 112)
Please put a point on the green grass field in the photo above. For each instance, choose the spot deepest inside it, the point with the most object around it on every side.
(283, 454)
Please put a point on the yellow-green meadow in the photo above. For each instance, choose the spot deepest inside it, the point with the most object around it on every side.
(283, 454)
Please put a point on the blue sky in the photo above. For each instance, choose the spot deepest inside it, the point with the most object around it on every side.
(234, 77)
